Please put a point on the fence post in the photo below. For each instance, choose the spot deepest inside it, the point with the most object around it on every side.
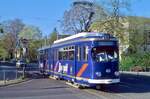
(4, 76)
(23, 72)
(16, 74)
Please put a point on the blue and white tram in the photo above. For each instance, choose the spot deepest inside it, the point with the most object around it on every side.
(85, 58)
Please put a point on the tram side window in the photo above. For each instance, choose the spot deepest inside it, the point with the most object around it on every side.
(64, 55)
(71, 55)
(85, 53)
(79, 53)
(60, 55)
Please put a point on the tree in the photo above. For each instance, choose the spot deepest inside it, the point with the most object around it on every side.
(53, 36)
(30, 32)
(11, 29)
(8, 41)
(13, 26)
(80, 16)
(33, 36)
(3, 52)
(1, 29)
(139, 29)
(32, 49)
(114, 20)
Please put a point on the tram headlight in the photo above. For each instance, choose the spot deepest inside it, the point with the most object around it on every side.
(99, 74)
(108, 70)
(116, 73)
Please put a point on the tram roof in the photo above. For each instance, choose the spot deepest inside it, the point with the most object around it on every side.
(84, 35)
(43, 48)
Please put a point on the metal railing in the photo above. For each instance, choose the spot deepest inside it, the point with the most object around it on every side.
(8, 76)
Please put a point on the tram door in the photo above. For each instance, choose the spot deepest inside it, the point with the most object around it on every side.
(78, 61)
(51, 61)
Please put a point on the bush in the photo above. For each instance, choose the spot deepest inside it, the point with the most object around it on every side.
(129, 62)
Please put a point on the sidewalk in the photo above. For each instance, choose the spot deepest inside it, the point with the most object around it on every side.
(10, 82)
(136, 73)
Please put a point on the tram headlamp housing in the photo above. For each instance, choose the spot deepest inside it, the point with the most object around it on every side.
(117, 73)
(108, 70)
(99, 74)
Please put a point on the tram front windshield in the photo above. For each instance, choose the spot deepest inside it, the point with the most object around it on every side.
(102, 54)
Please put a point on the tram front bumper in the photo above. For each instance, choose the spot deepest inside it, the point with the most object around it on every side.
(103, 81)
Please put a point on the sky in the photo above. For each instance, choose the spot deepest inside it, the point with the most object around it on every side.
(46, 13)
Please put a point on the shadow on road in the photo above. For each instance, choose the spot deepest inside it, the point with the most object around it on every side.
(36, 76)
(130, 84)
(59, 87)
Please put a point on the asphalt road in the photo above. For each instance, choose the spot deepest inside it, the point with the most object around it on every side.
(43, 89)
(131, 87)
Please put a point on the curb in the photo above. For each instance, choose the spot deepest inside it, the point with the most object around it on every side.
(15, 82)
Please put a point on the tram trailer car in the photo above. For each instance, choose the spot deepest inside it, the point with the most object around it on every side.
(88, 59)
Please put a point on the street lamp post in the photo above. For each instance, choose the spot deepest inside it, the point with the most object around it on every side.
(1, 29)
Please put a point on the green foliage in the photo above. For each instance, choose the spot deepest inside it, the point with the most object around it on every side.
(108, 26)
(145, 60)
(137, 33)
(3, 53)
(138, 59)
(127, 62)
(30, 32)
(53, 36)
(34, 36)
(139, 20)
(14, 30)
(11, 29)
(33, 46)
